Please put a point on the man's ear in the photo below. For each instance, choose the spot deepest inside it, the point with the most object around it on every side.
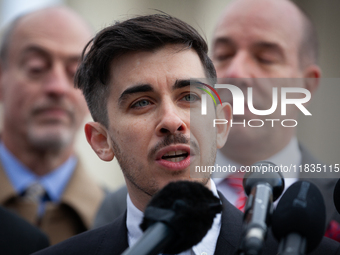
(312, 76)
(223, 112)
(98, 138)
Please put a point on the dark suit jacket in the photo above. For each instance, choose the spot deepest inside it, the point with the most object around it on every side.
(324, 181)
(18, 237)
(114, 203)
(112, 238)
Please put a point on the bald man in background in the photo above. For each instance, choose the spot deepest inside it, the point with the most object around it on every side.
(41, 178)
(271, 39)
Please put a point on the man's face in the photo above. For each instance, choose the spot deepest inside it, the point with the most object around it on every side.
(255, 45)
(149, 118)
(249, 43)
(41, 105)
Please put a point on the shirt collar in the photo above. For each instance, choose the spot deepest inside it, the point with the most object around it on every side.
(21, 177)
(207, 245)
(289, 156)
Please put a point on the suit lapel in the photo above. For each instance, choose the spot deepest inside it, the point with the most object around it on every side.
(231, 228)
(231, 232)
(324, 181)
(83, 195)
(115, 241)
(6, 189)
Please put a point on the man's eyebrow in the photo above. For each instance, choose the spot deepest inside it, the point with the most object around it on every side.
(261, 44)
(224, 41)
(148, 88)
(45, 53)
(184, 83)
(269, 45)
(135, 89)
(35, 49)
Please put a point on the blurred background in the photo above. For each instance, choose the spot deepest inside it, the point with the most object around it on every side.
(319, 134)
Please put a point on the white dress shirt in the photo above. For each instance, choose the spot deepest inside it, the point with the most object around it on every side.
(206, 247)
(290, 155)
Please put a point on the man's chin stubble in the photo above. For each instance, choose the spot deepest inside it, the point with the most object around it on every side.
(55, 141)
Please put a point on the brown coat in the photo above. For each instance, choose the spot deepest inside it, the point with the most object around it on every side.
(74, 214)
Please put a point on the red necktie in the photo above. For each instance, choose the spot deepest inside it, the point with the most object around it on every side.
(235, 181)
(333, 231)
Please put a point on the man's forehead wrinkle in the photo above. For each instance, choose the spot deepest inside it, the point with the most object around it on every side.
(43, 50)
(29, 39)
(131, 61)
(260, 31)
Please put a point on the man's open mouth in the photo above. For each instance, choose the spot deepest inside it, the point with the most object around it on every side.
(175, 156)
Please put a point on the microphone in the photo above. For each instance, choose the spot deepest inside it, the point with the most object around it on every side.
(299, 219)
(336, 196)
(176, 218)
(263, 186)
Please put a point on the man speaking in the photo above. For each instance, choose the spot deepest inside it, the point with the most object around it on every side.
(136, 79)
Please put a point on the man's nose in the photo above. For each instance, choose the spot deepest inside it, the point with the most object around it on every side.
(238, 67)
(170, 120)
(58, 82)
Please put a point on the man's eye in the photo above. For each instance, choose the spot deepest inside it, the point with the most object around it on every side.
(264, 61)
(141, 103)
(190, 98)
(222, 53)
(35, 67)
(267, 57)
(35, 70)
(222, 57)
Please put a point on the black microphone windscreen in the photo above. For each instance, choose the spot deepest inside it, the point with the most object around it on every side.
(301, 210)
(194, 207)
(336, 196)
(264, 171)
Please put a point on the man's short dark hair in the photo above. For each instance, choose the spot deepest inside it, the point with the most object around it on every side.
(143, 33)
